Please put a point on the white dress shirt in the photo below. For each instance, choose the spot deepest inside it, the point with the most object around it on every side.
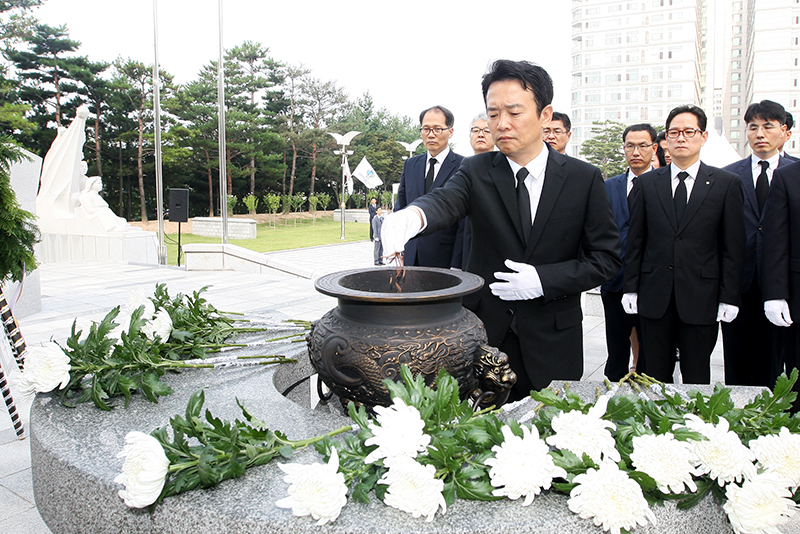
(534, 182)
(440, 157)
(689, 180)
(754, 165)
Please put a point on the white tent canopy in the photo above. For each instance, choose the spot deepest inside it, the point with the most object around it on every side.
(717, 151)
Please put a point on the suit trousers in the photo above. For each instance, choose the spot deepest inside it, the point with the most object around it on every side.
(662, 336)
(752, 344)
(618, 335)
(791, 345)
(522, 388)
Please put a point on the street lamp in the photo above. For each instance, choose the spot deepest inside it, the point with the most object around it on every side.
(411, 147)
(344, 140)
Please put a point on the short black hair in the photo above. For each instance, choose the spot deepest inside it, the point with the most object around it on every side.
(531, 76)
(788, 120)
(564, 118)
(702, 121)
(662, 158)
(766, 110)
(643, 127)
(662, 136)
(449, 119)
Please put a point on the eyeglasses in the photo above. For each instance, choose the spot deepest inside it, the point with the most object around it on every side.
(688, 133)
(476, 131)
(554, 131)
(630, 147)
(425, 130)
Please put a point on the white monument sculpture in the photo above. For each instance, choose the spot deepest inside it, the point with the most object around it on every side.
(75, 222)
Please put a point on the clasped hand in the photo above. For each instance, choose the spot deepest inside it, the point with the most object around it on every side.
(521, 284)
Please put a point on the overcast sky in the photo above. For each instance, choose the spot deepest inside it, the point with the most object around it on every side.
(408, 55)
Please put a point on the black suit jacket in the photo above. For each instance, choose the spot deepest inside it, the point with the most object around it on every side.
(574, 245)
(782, 239)
(701, 260)
(445, 247)
(617, 190)
(753, 220)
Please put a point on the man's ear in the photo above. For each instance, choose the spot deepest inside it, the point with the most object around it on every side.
(546, 115)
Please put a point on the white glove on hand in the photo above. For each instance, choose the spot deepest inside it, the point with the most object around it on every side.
(727, 312)
(522, 284)
(398, 228)
(630, 303)
(777, 311)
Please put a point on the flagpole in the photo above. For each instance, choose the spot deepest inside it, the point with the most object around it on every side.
(223, 184)
(342, 205)
(162, 250)
(343, 141)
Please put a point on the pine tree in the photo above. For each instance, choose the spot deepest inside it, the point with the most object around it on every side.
(18, 232)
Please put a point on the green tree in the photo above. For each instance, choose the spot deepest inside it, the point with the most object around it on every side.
(16, 24)
(323, 103)
(18, 232)
(604, 149)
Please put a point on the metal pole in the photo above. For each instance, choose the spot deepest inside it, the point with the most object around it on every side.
(162, 249)
(223, 184)
(344, 162)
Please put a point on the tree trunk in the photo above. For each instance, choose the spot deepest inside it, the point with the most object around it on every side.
(313, 165)
(210, 187)
(140, 171)
(228, 171)
(97, 143)
(283, 180)
(294, 167)
(252, 176)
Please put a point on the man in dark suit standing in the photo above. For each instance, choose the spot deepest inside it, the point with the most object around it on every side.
(373, 209)
(684, 257)
(426, 172)
(542, 230)
(781, 283)
(752, 344)
(639, 143)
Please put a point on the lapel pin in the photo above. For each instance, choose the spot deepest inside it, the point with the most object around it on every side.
(707, 182)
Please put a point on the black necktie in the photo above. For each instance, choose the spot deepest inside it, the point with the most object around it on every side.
(680, 196)
(524, 202)
(762, 185)
(429, 176)
(630, 195)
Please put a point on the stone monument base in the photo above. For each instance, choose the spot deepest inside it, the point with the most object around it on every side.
(131, 247)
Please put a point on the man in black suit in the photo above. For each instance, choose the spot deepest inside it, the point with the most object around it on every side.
(684, 256)
(781, 283)
(639, 144)
(373, 209)
(752, 344)
(788, 121)
(427, 172)
(542, 230)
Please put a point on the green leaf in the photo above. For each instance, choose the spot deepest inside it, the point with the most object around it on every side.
(195, 405)
(286, 451)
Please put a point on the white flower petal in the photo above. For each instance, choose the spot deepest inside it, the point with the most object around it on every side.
(760, 504)
(46, 367)
(780, 454)
(317, 490)
(144, 471)
(413, 488)
(585, 433)
(399, 433)
(610, 498)
(666, 460)
(722, 454)
(522, 466)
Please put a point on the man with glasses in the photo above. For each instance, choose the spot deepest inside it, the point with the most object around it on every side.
(559, 132)
(542, 230)
(685, 253)
(753, 344)
(480, 136)
(427, 172)
(639, 144)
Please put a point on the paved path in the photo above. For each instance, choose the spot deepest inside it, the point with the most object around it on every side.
(90, 289)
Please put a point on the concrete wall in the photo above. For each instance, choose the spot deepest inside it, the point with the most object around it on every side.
(212, 227)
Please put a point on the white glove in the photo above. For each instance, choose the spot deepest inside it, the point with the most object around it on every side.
(777, 311)
(727, 312)
(398, 228)
(630, 303)
(522, 284)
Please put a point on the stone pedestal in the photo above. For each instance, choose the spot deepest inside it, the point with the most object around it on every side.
(73, 457)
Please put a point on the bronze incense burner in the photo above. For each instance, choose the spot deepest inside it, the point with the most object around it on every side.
(387, 317)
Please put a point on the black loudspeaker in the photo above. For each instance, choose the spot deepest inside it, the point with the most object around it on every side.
(179, 205)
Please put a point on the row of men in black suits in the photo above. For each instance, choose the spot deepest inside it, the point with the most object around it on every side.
(695, 253)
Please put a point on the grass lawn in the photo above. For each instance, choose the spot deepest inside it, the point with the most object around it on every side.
(285, 235)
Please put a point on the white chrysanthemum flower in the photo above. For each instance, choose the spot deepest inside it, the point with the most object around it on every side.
(760, 504)
(722, 455)
(46, 367)
(522, 466)
(399, 433)
(585, 433)
(137, 299)
(671, 463)
(413, 488)
(779, 453)
(144, 471)
(610, 498)
(317, 490)
(159, 326)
